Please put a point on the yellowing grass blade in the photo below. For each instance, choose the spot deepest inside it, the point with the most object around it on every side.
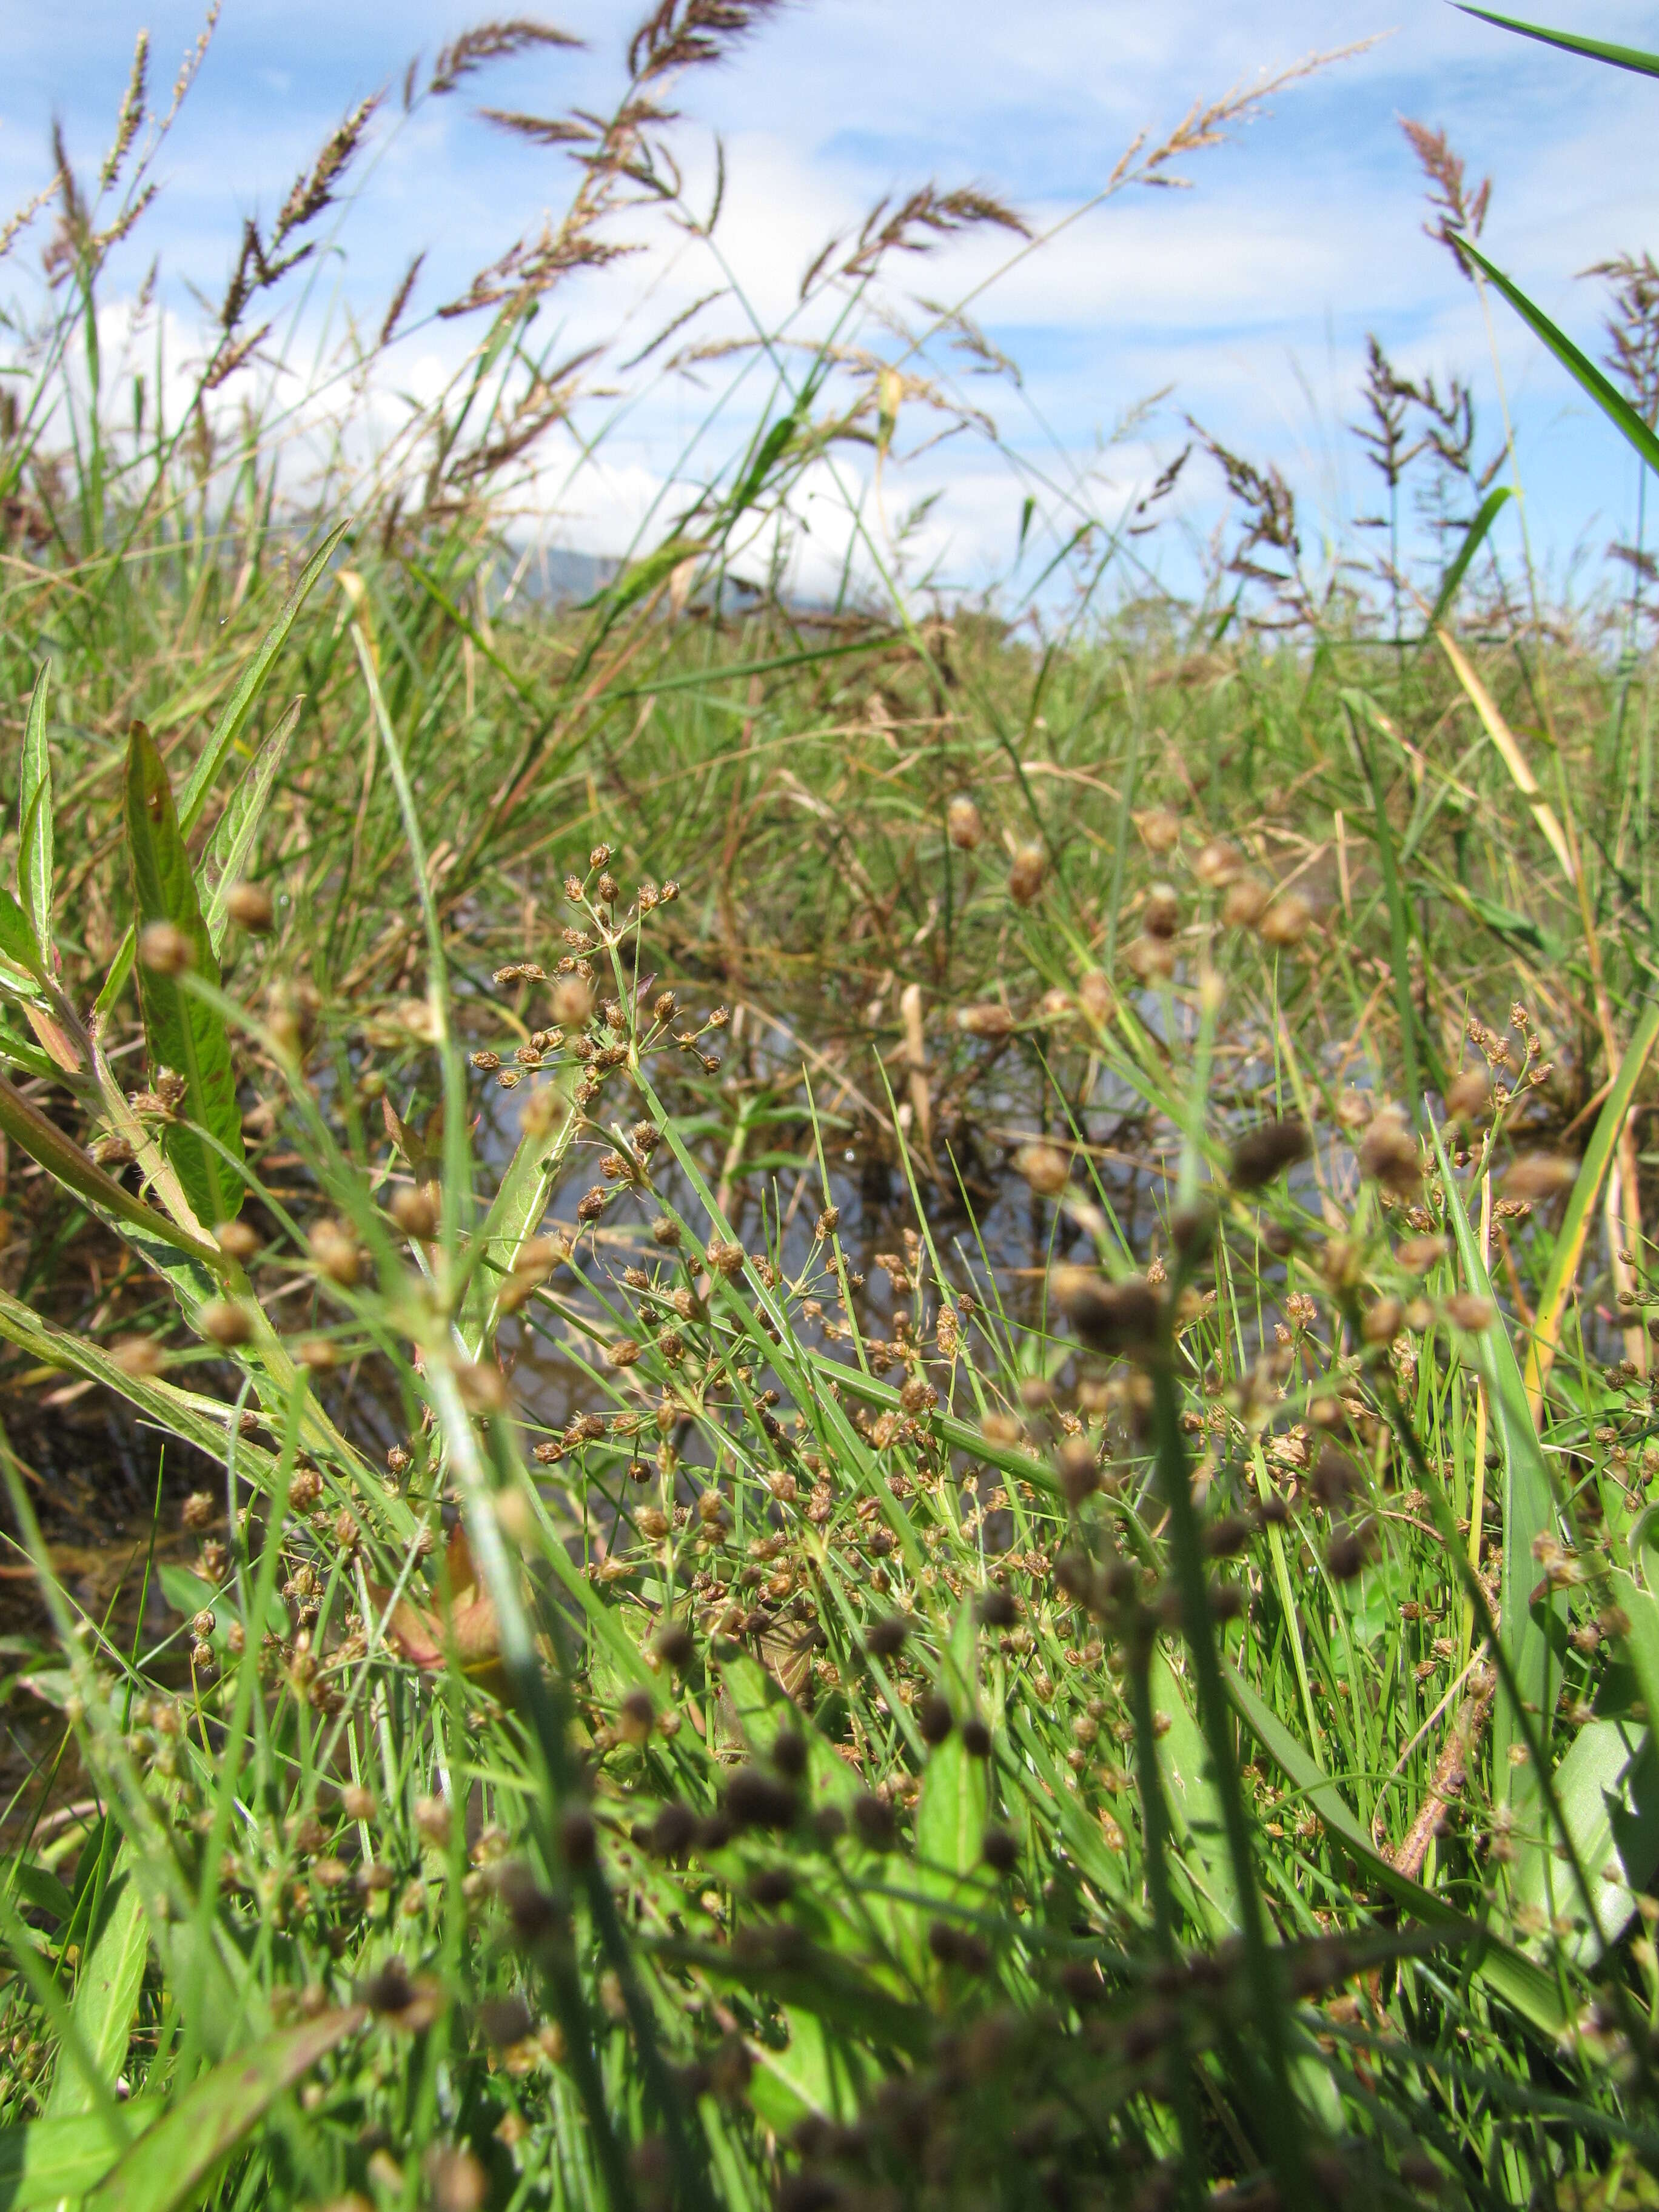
(1514, 759)
(1575, 1222)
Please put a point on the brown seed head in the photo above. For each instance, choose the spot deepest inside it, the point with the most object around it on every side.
(986, 1020)
(140, 1357)
(1096, 996)
(1469, 1098)
(237, 1240)
(572, 1003)
(225, 1323)
(1388, 1154)
(1217, 863)
(1161, 915)
(1025, 874)
(1045, 1168)
(415, 1210)
(250, 907)
(1245, 903)
(1286, 921)
(1540, 1175)
(1267, 1150)
(1160, 829)
(334, 1251)
(1469, 1311)
(963, 826)
(1109, 1317)
(164, 948)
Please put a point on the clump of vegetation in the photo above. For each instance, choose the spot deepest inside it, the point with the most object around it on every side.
(905, 1354)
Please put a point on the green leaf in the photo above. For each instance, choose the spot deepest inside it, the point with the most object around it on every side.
(169, 2164)
(1183, 1760)
(106, 1996)
(1528, 1514)
(1611, 403)
(181, 1031)
(1520, 1981)
(1607, 1787)
(1594, 50)
(240, 704)
(34, 1133)
(515, 1213)
(52, 2162)
(17, 938)
(37, 1886)
(1473, 537)
(956, 1789)
(35, 818)
(231, 846)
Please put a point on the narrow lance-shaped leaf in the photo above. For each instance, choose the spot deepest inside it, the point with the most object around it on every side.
(1594, 50)
(1577, 364)
(182, 1032)
(37, 1134)
(236, 833)
(168, 2166)
(239, 706)
(106, 1997)
(34, 818)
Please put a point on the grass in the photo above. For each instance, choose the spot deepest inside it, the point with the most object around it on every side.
(905, 1429)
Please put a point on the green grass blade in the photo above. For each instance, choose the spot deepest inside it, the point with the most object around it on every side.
(35, 1133)
(1617, 408)
(167, 2167)
(1575, 1222)
(1473, 538)
(236, 833)
(182, 1032)
(35, 817)
(242, 700)
(1528, 1514)
(106, 1996)
(1594, 50)
(1520, 1981)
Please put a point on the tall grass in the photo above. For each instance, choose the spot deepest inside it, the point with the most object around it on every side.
(1117, 1673)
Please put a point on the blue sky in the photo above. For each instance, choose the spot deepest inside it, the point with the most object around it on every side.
(1250, 295)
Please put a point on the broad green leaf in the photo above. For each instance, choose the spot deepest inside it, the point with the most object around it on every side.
(242, 700)
(168, 2164)
(1528, 1515)
(815, 2074)
(17, 940)
(1183, 1760)
(1607, 1787)
(180, 1030)
(52, 2162)
(237, 830)
(1473, 537)
(34, 1133)
(1577, 364)
(1594, 50)
(35, 818)
(106, 1995)
(956, 1789)
(1520, 1981)
(39, 1886)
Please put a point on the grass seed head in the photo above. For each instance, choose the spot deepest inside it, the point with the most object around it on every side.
(1025, 874)
(140, 1357)
(165, 948)
(986, 1020)
(1110, 1317)
(250, 907)
(1266, 1151)
(1160, 830)
(1246, 902)
(963, 824)
(1538, 1176)
(237, 1240)
(225, 1323)
(1045, 1168)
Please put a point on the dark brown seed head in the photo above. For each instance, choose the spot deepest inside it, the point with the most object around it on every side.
(885, 1638)
(1267, 1150)
(976, 1737)
(577, 1837)
(874, 1819)
(755, 1799)
(934, 1718)
(1107, 1316)
(1000, 1851)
